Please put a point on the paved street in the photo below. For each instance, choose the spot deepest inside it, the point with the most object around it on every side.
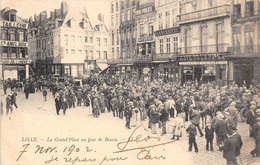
(36, 118)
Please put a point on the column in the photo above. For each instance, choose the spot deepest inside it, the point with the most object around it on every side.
(1, 73)
(27, 71)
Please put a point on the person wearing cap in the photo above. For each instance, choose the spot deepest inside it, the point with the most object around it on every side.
(79, 95)
(164, 117)
(13, 97)
(232, 146)
(26, 91)
(154, 117)
(96, 106)
(209, 135)
(121, 106)
(221, 131)
(114, 106)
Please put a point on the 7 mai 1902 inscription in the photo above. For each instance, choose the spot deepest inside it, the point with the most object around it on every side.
(71, 153)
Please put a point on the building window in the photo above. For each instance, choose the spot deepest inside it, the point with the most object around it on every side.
(117, 18)
(80, 52)
(73, 39)
(127, 3)
(249, 8)
(167, 15)
(72, 51)
(67, 51)
(117, 52)
(21, 36)
(86, 39)
(150, 30)
(117, 37)
(98, 41)
(112, 20)
(112, 8)
(160, 21)
(12, 36)
(122, 16)
(91, 54)
(175, 44)
(105, 54)
(13, 17)
(168, 45)
(113, 52)
(13, 52)
(219, 37)
(174, 17)
(91, 40)
(22, 52)
(161, 45)
(237, 11)
(122, 4)
(66, 39)
(105, 42)
(116, 5)
(113, 37)
(86, 54)
(128, 15)
(203, 38)
(141, 30)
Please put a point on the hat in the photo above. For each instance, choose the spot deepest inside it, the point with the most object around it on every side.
(221, 116)
(233, 103)
(253, 103)
(258, 111)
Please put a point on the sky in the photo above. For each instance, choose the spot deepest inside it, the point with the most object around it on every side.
(27, 8)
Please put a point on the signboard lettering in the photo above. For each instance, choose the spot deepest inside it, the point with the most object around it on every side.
(14, 24)
(203, 63)
(15, 61)
(13, 43)
(167, 31)
(144, 10)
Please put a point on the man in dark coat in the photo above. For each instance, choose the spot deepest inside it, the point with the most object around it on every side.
(114, 106)
(79, 96)
(121, 105)
(128, 113)
(195, 119)
(4, 87)
(9, 104)
(251, 118)
(256, 134)
(232, 147)
(192, 137)
(57, 104)
(221, 131)
(13, 97)
(209, 135)
(164, 118)
(26, 91)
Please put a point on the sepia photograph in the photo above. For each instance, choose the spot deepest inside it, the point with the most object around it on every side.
(130, 82)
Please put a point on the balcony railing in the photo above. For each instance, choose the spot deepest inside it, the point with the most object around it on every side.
(253, 49)
(165, 56)
(205, 14)
(248, 17)
(204, 49)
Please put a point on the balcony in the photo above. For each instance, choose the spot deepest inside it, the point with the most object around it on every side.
(145, 38)
(120, 61)
(165, 56)
(248, 17)
(219, 11)
(250, 51)
(204, 49)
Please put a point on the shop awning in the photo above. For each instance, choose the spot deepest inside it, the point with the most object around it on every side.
(102, 66)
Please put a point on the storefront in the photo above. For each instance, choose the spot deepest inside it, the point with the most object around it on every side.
(167, 72)
(204, 71)
(14, 69)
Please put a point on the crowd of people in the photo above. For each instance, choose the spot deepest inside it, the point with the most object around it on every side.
(208, 108)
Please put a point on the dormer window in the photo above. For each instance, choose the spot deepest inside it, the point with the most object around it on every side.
(12, 17)
(69, 23)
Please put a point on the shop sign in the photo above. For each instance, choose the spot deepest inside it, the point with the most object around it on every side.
(203, 63)
(14, 24)
(13, 43)
(144, 10)
(3, 61)
(167, 31)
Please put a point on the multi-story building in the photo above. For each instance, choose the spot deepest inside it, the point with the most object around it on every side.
(205, 38)
(145, 18)
(167, 34)
(244, 59)
(14, 60)
(123, 37)
(67, 43)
